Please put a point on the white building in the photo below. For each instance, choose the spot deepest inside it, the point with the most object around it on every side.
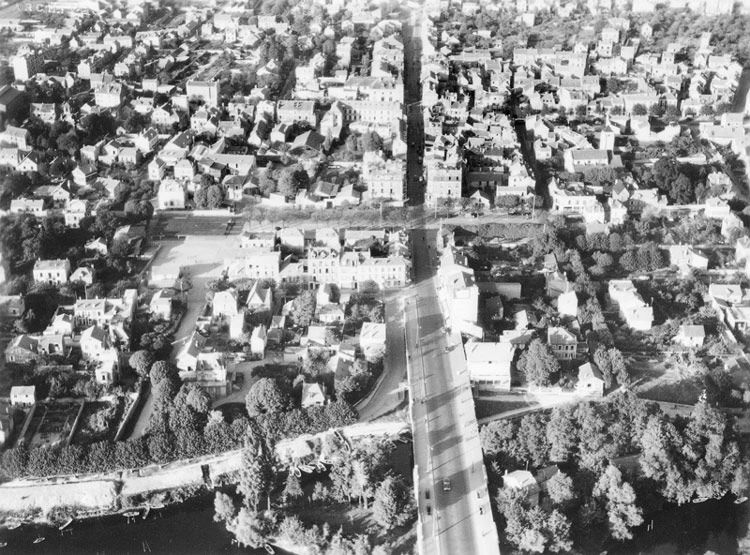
(384, 178)
(443, 181)
(52, 271)
(372, 340)
(489, 364)
(171, 195)
(206, 91)
(633, 309)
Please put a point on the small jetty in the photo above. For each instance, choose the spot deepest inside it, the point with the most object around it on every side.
(65, 524)
(146, 512)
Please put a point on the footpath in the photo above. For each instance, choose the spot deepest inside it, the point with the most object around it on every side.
(33, 499)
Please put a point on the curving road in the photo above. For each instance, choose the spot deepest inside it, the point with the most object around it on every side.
(387, 396)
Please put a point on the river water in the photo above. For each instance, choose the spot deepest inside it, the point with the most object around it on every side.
(189, 528)
(184, 529)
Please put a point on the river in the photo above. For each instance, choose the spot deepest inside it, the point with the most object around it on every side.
(189, 528)
(697, 528)
(184, 529)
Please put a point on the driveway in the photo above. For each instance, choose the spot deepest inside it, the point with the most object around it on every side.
(385, 397)
(202, 258)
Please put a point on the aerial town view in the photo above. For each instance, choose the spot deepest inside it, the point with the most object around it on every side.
(350, 277)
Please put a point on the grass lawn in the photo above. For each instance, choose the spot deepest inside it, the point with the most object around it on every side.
(685, 391)
(487, 407)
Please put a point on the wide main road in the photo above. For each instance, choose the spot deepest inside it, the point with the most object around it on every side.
(413, 109)
(455, 516)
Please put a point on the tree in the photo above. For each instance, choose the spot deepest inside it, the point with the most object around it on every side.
(163, 370)
(291, 180)
(96, 125)
(156, 342)
(292, 488)
(558, 532)
(538, 363)
(69, 142)
(639, 110)
(561, 433)
(393, 506)
(303, 309)
(535, 531)
(141, 362)
(622, 512)
(254, 476)
(628, 261)
(266, 182)
(214, 196)
(560, 489)
(532, 433)
(604, 363)
(224, 509)
(741, 481)
(248, 528)
(682, 190)
(370, 141)
(266, 396)
(200, 197)
(14, 185)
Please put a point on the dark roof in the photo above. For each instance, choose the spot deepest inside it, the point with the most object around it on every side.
(308, 140)
(9, 94)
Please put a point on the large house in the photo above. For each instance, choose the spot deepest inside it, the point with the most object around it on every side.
(633, 309)
(489, 364)
(171, 195)
(52, 271)
(562, 343)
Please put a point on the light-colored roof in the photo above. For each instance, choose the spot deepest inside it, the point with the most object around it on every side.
(488, 351)
(692, 330)
(23, 391)
(372, 332)
(312, 393)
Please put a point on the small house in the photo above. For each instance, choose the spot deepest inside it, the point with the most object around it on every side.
(22, 395)
(160, 306)
(224, 303)
(691, 336)
(84, 274)
(258, 340)
(521, 483)
(590, 381)
(313, 395)
(372, 339)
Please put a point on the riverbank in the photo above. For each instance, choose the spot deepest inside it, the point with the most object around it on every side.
(44, 500)
(40, 501)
